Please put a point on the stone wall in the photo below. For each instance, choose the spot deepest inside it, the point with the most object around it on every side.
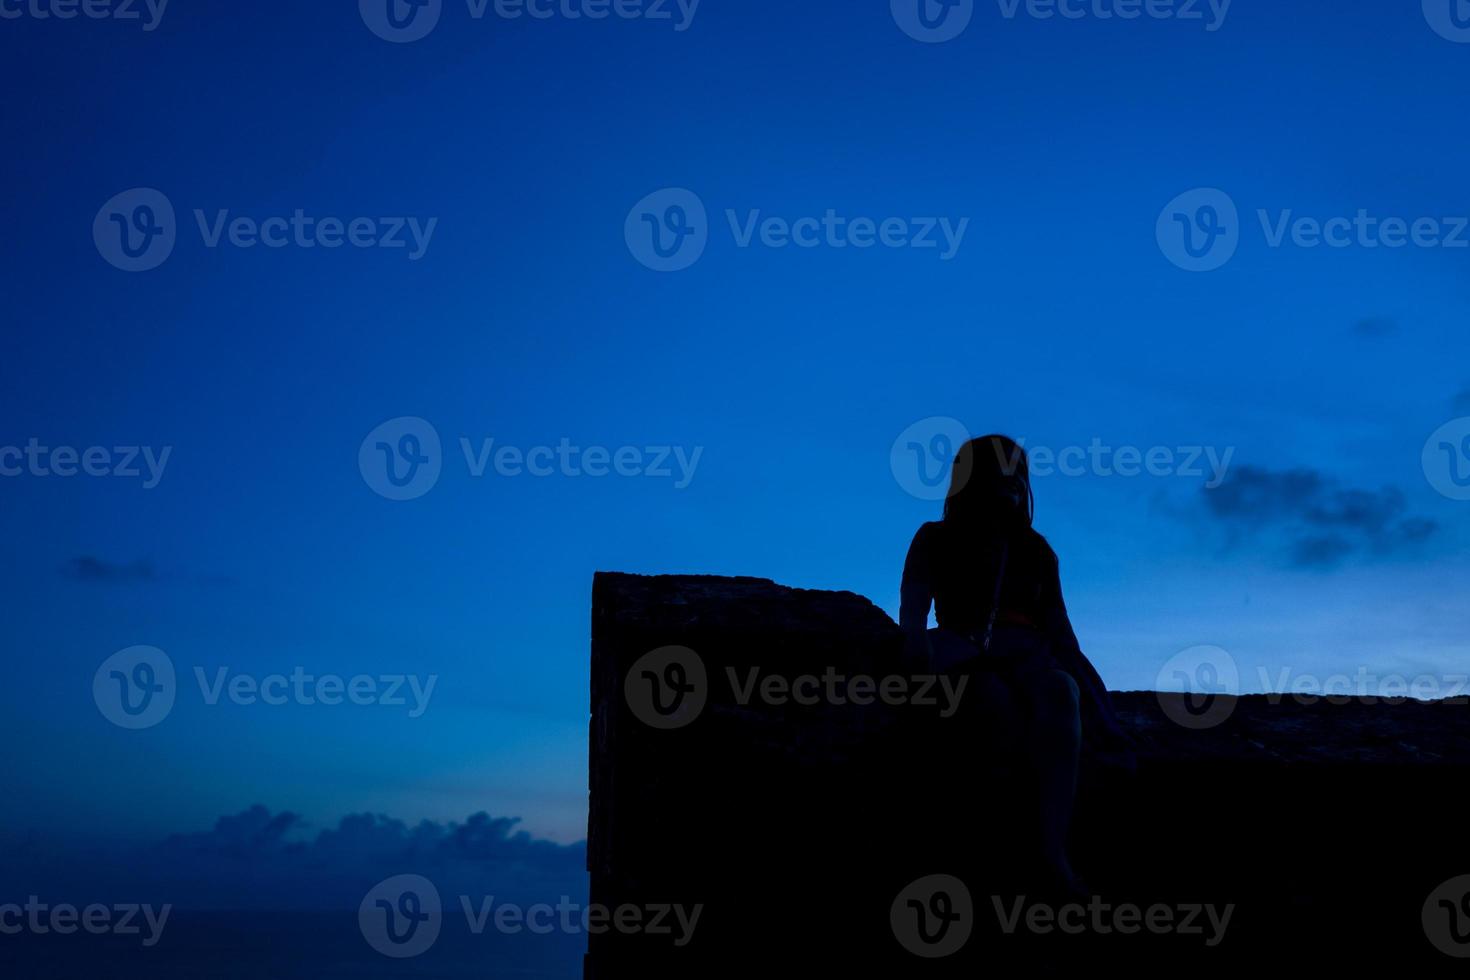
(794, 826)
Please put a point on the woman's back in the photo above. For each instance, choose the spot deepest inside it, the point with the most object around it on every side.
(960, 569)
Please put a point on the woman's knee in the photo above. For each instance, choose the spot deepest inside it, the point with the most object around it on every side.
(1058, 699)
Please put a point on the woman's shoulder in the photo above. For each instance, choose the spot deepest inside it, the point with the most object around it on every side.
(1042, 547)
(928, 533)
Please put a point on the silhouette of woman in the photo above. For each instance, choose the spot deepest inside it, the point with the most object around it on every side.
(994, 584)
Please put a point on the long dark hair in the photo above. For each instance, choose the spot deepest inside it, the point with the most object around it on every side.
(990, 485)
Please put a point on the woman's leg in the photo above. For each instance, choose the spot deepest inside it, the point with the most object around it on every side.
(1055, 743)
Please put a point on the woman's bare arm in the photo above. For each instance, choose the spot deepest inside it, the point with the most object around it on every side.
(915, 598)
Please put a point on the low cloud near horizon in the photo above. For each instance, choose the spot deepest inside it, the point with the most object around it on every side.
(259, 859)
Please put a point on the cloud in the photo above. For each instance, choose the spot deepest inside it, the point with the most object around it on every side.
(96, 571)
(257, 832)
(1321, 551)
(259, 859)
(1375, 326)
(89, 569)
(1323, 522)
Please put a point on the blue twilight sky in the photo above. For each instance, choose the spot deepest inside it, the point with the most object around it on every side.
(529, 320)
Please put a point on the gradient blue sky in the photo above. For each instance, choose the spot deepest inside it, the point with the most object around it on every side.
(528, 320)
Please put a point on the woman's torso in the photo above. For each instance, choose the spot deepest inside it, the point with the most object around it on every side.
(962, 570)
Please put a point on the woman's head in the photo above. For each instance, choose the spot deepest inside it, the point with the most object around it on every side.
(990, 483)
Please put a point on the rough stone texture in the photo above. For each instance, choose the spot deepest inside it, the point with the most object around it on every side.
(1327, 825)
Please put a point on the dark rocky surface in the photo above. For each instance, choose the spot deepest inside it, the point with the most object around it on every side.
(1324, 826)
